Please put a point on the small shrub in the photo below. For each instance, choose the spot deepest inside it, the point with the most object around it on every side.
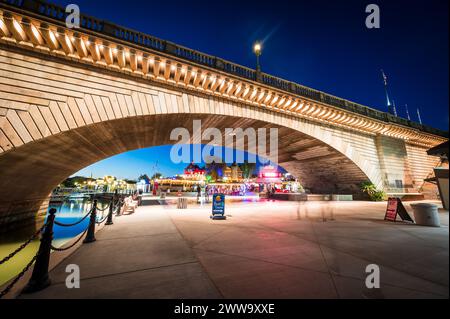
(375, 195)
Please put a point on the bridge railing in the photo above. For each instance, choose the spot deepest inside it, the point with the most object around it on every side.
(40, 277)
(275, 82)
(56, 12)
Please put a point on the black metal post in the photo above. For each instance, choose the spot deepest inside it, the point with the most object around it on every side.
(39, 279)
(90, 236)
(109, 221)
(120, 203)
(258, 68)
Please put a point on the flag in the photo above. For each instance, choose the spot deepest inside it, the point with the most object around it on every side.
(384, 78)
(418, 116)
(388, 102)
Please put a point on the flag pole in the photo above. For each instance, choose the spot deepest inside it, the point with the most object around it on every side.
(418, 116)
(394, 109)
(388, 102)
(407, 112)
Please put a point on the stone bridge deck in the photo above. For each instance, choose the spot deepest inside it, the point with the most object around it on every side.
(263, 250)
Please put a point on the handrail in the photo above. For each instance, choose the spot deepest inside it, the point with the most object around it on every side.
(55, 12)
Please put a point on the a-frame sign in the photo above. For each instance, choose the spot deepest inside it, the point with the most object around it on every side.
(395, 207)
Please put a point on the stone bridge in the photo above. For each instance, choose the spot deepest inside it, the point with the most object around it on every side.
(72, 97)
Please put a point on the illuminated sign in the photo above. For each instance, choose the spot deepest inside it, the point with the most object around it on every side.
(218, 207)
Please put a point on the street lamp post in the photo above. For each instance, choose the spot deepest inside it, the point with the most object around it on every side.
(257, 49)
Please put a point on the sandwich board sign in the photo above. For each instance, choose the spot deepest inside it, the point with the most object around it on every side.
(218, 207)
(395, 207)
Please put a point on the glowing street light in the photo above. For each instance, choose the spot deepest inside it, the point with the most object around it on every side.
(257, 48)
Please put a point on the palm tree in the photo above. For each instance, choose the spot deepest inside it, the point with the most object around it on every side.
(157, 175)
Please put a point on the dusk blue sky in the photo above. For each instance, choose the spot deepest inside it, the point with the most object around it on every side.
(151, 160)
(321, 44)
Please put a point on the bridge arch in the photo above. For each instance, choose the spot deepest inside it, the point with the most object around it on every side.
(46, 144)
(60, 155)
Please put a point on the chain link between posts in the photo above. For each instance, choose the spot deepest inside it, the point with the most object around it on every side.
(72, 245)
(20, 275)
(76, 223)
(116, 206)
(98, 222)
(104, 208)
(25, 244)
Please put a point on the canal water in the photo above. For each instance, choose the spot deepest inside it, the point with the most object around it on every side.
(69, 212)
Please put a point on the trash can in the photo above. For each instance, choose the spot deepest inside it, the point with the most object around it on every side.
(182, 203)
(162, 195)
(426, 214)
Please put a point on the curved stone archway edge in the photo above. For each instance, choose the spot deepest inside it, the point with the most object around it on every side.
(59, 108)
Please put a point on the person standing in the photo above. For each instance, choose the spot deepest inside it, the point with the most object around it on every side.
(207, 193)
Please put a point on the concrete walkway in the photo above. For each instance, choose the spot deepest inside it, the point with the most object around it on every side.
(263, 250)
(141, 256)
(278, 250)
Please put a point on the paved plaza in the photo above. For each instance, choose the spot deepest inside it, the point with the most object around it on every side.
(267, 249)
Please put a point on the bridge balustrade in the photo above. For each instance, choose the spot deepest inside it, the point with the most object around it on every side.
(306, 92)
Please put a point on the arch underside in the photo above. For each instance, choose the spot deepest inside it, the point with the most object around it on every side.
(46, 130)
(36, 168)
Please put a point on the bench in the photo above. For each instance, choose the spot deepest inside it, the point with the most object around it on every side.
(129, 205)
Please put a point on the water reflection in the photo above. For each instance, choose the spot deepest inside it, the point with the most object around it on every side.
(68, 212)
